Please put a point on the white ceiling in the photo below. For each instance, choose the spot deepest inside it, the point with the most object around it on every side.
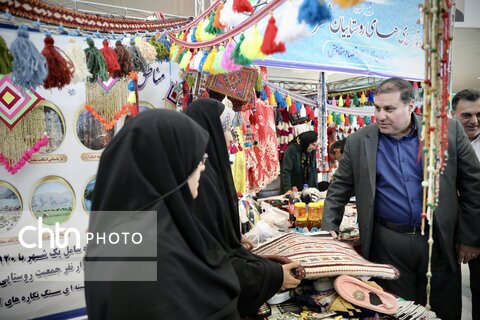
(466, 42)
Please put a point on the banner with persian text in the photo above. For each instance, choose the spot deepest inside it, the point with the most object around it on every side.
(381, 38)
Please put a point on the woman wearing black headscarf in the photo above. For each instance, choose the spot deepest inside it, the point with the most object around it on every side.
(299, 164)
(154, 164)
(216, 208)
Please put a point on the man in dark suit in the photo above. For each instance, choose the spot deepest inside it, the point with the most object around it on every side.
(380, 166)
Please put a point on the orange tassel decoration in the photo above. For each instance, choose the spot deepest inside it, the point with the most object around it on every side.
(111, 58)
(216, 21)
(269, 44)
(60, 67)
(241, 6)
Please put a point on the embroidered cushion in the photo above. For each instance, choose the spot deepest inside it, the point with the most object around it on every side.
(325, 257)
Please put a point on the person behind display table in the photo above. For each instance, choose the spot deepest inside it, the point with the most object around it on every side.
(380, 166)
(216, 208)
(466, 108)
(299, 164)
(154, 164)
(336, 149)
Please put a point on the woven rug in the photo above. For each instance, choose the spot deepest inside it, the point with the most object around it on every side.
(238, 85)
(325, 257)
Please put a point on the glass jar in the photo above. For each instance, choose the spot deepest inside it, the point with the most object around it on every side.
(315, 213)
(301, 211)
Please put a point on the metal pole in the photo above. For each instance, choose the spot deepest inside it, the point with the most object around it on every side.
(322, 125)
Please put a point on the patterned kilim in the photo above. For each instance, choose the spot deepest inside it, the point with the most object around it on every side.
(238, 85)
(325, 257)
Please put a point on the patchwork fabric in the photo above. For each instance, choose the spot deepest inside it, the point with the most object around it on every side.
(325, 257)
(14, 102)
(238, 85)
(172, 96)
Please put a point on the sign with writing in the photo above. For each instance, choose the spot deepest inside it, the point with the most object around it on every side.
(377, 39)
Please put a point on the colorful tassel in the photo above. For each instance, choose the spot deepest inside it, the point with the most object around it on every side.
(367, 120)
(290, 29)
(346, 121)
(29, 66)
(237, 56)
(173, 51)
(228, 17)
(217, 63)
(227, 62)
(77, 56)
(242, 6)
(198, 31)
(180, 56)
(348, 101)
(211, 27)
(293, 107)
(159, 49)
(280, 100)
(167, 44)
(263, 95)
(288, 101)
(269, 45)
(259, 83)
(314, 12)
(60, 70)
(124, 60)
(356, 102)
(363, 98)
(6, 58)
(185, 60)
(334, 102)
(250, 47)
(216, 21)
(371, 97)
(267, 90)
(146, 50)
(202, 60)
(198, 59)
(347, 3)
(139, 61)
(208, 65)
(415, 85)
(271, 99)
(330, 118)
(110, 58)
(203, 33)
(95, 62)
(340, 101)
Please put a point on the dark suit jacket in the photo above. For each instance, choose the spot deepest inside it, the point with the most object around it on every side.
(457, 216)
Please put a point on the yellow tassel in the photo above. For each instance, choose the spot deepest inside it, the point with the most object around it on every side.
(208, 65)
(182, 35)
(185, 60)
(363, 98)
(330, 118)
(340, 101)
(198, 32)
(288, 101)
(342, 118)
(203, 34)
(173, 50)
(271, 100)
(131, 97)
(347, 3)
(252, 44)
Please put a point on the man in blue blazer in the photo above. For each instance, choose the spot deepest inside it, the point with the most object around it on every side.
(380, 165)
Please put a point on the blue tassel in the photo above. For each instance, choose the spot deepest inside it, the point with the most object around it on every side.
(200, 66)
(298, 106)
(194, 39)
(263, 95)
(280, 100)
(314, 12)
(29, 66)
(371, 97)
(164, 40)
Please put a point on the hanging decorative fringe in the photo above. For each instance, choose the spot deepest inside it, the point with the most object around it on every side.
(242, 6)
(133, 90)
(347, 3)
(227, 62)
(258, 83)
(348, 101)
(269, 45)
(166, 43)
(340, 101)
(217, 63)
(280, 100)
(198, 31)
(250, 47)
(237, 56)
(29, 66)
(314, 12)
(271, 99)
(185, 60)
(108, 106)
(208, 65)
(77, 56)
(180, 56)
(139, 62)
(334, 102)
(159, 49)
(146, 49)
(60, 70)
(22, 141)
(363, 98)
(216, 21)
(228, 17)
(290, 29)
(211, 28)
(173, 51)
(288, 101)
(6, 58)
(203, 33)
(95, 62)
(196, 61)
(356, 102)
(202, 60)
(110, 58)
(124, 60)
(371, 97)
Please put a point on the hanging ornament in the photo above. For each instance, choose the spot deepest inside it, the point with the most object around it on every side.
(6, 58)
(280, 100)
(288, 101)
(185, 60)
(95, 62)
(270, 44)
(237, 56)
(356, 102)
(160, 49)
(212, 29)
(208, 65)
(363, 98)
(29, 66)
(271, 99)
(110, 58)
(340, 101)
(77, 56)
(139, 61)
(250, 47)
(227, 62)
(124, 60)
(347, 101)
(371, 98)
(334, 102)
(229, 17)
(146, 49)
(216, 21)
(204, 34)
(242, 6)
(290, 29)
(314, 12)
(60, 68)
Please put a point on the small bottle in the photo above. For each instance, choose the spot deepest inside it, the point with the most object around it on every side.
(291, 207)
(315, 214)
(301, 215)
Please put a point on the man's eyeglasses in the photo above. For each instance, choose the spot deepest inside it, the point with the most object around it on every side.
(204, 158)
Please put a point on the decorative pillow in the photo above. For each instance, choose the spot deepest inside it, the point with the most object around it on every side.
(325, 257)
(238, 85)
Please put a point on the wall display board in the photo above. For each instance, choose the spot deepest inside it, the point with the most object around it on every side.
(56, 185)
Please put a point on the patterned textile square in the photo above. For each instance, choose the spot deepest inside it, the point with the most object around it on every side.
(238, 85)
(325, 257)
(171, 97)
(14, 102)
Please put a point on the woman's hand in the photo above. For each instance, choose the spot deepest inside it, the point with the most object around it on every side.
(246, 243)
(289, 281)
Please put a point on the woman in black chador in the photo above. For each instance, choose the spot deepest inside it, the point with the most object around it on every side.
(154, 164)
(217, 209)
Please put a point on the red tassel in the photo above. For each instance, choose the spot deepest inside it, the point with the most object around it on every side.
(110, 57)
(60, 70)
(269, 44)
(372, 119)
(133, 109)
(347, 121)
(360, 121)
(347, 101)
(293, 108)
(242, 6)
(267, 90)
